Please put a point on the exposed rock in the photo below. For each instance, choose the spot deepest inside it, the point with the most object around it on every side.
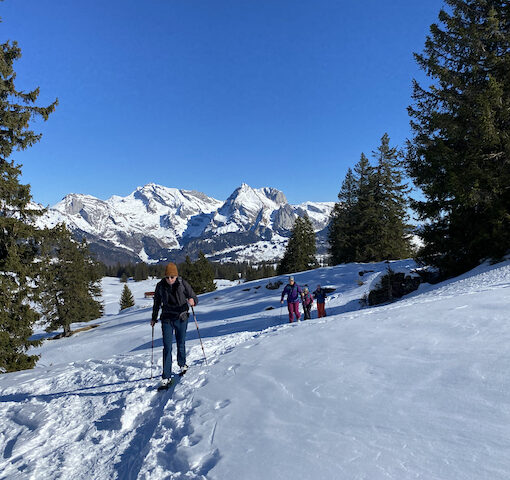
(393, 286)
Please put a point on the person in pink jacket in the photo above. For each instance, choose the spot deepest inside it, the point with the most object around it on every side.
(307, 303)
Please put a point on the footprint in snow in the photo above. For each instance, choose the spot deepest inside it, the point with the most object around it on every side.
(222, 404)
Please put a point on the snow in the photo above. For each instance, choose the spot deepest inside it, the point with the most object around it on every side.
(414, 389)
(168, 218)
(159, 211)
(256, 252)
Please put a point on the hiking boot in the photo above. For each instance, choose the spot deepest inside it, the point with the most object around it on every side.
(184, 369)
(165, 383)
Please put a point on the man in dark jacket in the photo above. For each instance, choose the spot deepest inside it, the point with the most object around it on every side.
(173, 295)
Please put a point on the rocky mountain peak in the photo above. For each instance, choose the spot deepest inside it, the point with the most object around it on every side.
(156, 223)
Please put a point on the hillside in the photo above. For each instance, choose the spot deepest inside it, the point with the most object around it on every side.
(414, 389)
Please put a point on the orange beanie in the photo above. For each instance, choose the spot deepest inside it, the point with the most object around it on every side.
(171, 270)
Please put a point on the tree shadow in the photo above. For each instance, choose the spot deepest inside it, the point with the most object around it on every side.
(81, 392)
(231, 326)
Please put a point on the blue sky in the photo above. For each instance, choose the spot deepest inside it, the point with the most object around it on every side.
(208, 94)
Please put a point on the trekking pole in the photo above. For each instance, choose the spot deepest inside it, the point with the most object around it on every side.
(199, 337)
(152, 354)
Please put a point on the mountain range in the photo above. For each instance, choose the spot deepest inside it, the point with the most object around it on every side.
(158, 224)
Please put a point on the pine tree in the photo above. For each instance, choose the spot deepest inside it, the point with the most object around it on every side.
(19, 240)
(301, 249)
(126, 300)
(460, 153)
(69, 282)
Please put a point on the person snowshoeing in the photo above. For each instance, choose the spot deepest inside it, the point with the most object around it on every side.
(174, 296)
(294, 293)
(307, 303)
(320, 298)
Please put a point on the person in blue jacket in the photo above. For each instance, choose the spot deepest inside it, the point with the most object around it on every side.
(294, 294)
(320, 298)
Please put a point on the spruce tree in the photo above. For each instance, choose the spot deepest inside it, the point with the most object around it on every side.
(366, 214)
(69, 282)
(392, 202)
(205, 275)
(126, 300)
(301, 250)
(369, 222)
(460, 153)
(355, 220)
(19, 240)
(141, 272)
(188, 272)
(342, 227)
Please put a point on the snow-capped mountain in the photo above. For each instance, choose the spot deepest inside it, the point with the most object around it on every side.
(157, 223)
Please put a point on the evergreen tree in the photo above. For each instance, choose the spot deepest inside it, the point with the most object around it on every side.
(69, 282)
(392, 202)
(355, 221)
(204, 274)
(263, 270)
(19, 240)
(301, 249)
(126, 300)
(460, 153)
(369, 223)
(141, 272)
(366, 213)
(188, 272)
(342, 227)
(199, 274)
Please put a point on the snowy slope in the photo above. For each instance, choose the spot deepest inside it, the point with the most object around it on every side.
(415, 389)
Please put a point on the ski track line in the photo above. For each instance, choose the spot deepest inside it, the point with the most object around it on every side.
(166, 455)
(101, 419)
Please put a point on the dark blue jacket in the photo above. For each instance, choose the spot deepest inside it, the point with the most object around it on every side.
(319, 295)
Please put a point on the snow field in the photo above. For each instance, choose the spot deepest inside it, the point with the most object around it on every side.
(414, 389)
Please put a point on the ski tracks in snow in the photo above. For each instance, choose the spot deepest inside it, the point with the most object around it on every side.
(105, 419)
